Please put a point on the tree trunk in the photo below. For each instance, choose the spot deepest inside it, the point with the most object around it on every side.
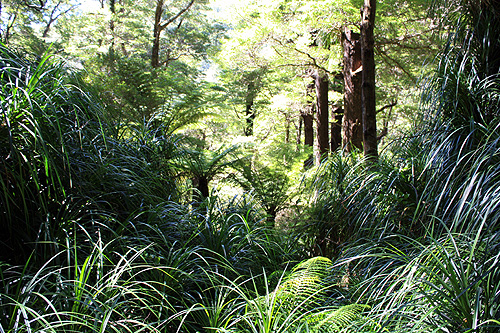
(368, 91)
(155, 52)
(159, 26)
(308, 120)
(308, 136)
(336, 129)
(249, 111)
(321, 83)
(112, 9)
(10, 24)
(202, 187)
(52, 18)
(299, 131)
(353, 114)
(287, 129)
(308, 129)
(45, 33)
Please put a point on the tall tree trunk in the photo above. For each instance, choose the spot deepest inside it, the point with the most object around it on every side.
(112, 9)
(308, 120)
(299, 131)
(321, 84)
(353, 114)
(155, 52)
(287, 129)
(336, 129)
(368, 91)
(308, 129)
(159, 26)
(249, 111)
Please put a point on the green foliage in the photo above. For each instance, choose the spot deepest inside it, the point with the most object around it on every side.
(419, 233)
(96, 234)
(299, 303)
(295, 305)
(270, 186)
(203, 165)
(135, 92)
(466, 95)
(46, 118)
(104, 291)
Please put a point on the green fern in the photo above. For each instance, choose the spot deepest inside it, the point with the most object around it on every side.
(337, 320)
(300, 303)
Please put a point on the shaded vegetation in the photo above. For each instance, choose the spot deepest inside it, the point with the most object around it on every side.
(108, 223)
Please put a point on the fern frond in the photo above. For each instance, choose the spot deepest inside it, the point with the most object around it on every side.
(335, 320)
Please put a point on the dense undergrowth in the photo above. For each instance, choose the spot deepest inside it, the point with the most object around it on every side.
(100, 234)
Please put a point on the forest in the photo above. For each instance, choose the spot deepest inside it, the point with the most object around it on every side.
(250, 166)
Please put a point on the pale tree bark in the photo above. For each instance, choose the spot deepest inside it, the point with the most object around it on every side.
(160, 25)
(368, 77)
(352, 123)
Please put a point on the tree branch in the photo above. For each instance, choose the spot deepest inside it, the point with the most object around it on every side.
(53, 18)
(395, 62)
(313, 63)
(39, 7)
(176, 16)
(394, 103)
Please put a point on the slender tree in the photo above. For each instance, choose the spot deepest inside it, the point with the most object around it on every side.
(160, 25)
(336, 129)
(321, 85)
(352, 120)
(308, 121)
(249, 110)
(368, 78)
(56, 12)
(253, 80)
